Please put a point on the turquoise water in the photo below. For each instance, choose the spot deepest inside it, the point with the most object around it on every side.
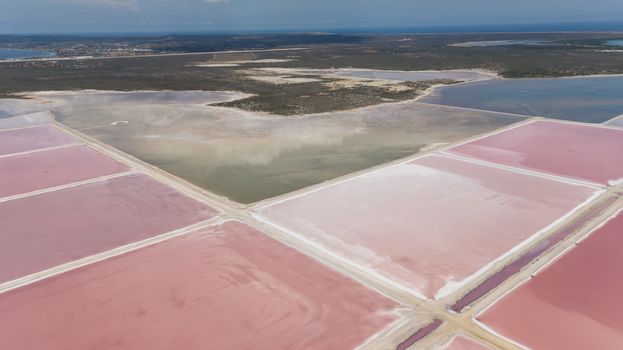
(586, 99)
(614, 42)
(15, 54)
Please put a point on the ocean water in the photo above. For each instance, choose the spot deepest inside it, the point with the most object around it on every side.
(6, 54)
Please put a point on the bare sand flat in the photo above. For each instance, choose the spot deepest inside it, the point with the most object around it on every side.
(236, 63)
(280, 79)
(395, 75)
(216, 65)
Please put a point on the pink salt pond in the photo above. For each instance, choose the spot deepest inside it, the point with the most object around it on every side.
(574, 303)
(224, 287)
(32, 138)
(461, 342)
(431, 224)
(583, 152)
(28, 172)
(41, 231)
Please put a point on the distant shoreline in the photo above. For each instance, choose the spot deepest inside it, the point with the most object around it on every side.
(502, 28)
(79, 58)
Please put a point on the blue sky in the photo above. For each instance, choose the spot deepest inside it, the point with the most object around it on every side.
(67, 16)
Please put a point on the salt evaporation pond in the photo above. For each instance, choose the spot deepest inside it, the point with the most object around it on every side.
(229, 286)
(574, 303)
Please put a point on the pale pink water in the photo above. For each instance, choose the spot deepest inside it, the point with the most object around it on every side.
(431, 222)
(461, 342)
(25, 120)
(42, 231)
(575, 303)
(35, 171)
(225, 287)
(616, 121)
(33, 138)
(578, 151)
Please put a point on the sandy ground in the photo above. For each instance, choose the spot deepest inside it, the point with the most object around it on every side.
(350, 78)
(217, 65)
(236, 63)
(393, 75)
(388, 85)
(331, 82)
(281, 79)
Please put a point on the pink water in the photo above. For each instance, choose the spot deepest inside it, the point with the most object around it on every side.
(33, 138)
(25, 120)
(574, 303)
(42, 231)
(578, 151)
(431, 223)
(225, 287)
(464, 343)
(35, 171)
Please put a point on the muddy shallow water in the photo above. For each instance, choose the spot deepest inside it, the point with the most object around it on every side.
(248, 156)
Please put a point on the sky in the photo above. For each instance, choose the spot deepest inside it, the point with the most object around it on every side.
(91, 16)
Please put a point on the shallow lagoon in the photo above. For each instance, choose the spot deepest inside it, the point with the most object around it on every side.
(586, 99)
(249, 156)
